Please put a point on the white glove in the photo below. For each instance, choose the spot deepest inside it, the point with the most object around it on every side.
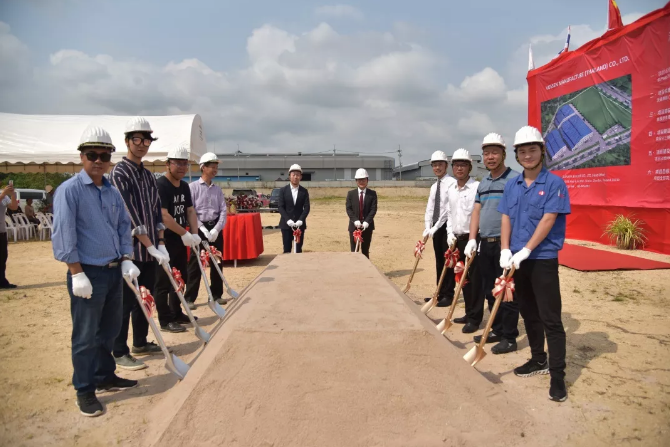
(156, 253)
(213, 235)
(163, 250)
(187, 239)
(290, 223)
(357, 224)
(471, 247)
(129, 269)
(196, 240)
(298, 224)
(505, 258)
(365, 225)
(519, 257)
(426, 232)
(451, 238)
(205, 231)
(81, 286)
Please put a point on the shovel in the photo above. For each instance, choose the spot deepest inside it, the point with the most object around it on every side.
(172, 363)
(295, 227)
(213, 305)
(199, 332)
(230, 291)
(477, 353)
(358, 243)
(433, 301)
(445, 324)
(416, 263)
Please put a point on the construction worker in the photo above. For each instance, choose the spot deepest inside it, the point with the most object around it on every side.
(534, 208)
(435, 219)
(210, 207)
(293, 207)
(91, 234)
(486, 221)
(178, 213)
(361, 207)
(461, 203)
(137, 186)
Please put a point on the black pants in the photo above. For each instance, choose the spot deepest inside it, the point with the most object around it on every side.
(440, 246)
(131, 308)
(365, 245)
(167, 301)
(194, 275)
(539, 294)
(507, 319)
(287, 239)
(472, 290)
(4, 254)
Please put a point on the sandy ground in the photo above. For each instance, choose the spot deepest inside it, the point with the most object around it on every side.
(617, 323)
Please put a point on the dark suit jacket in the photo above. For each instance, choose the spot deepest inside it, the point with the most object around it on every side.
(369, 208)
(289, 211)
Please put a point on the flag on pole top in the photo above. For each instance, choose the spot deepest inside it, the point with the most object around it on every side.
(567, 43)
(531, 63)
(613, 15)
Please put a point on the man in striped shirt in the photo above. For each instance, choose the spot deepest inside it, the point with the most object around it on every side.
(137, 186)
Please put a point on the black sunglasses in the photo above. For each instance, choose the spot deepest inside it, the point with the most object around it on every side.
(93, 156)
(145, 141)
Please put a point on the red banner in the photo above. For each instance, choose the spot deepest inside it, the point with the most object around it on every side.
(604, 111)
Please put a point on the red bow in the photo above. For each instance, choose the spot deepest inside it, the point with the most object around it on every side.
(296, 235)
(204, 258)
(216, 253)
(358, 236)
(147, 300)
(419, 248)
(505, 285)
(451, 258)
(458, 272)
(176, 274)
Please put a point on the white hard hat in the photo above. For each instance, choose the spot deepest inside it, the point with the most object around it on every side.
(180, 152)
(361, 173)
(95, 136)
(295, 167)
(438, 156)
(528, 135)
(493, 139)
(461, 154)
(138, 124)
(208, 158)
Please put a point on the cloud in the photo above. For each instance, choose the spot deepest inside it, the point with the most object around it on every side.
(340, 11)
(14, 58)
(486, 85)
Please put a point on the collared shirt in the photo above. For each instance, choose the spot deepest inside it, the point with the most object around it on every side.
(525, 206)
(91, 224)
(209, 203)
(447, 181)
(3, 209)
(294, 193)
(137, 186)
(364, 191)
(489, 193)
(461, 203)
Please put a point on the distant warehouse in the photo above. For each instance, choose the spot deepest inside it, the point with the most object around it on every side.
(422, 170)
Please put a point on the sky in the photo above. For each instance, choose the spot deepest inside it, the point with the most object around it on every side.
(271, 76)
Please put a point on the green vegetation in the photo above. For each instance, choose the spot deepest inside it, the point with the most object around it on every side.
(619, 156)
(601, 111)
(624, 83)
(33, 180)
(626, 232)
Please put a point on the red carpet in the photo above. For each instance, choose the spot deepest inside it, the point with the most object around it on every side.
(591, 259)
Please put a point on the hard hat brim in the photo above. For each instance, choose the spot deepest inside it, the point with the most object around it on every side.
(99, 145)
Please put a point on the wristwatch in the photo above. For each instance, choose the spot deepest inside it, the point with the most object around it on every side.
(161, 239)
(127, 257)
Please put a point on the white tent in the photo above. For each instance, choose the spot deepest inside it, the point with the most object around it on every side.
(53, 139)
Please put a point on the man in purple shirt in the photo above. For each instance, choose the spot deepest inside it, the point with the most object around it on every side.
(210, 206)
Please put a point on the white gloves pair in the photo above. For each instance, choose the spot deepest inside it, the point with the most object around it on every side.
(190, 239)
(290, 223)
(82, 287)
(506, 258)
(210, 235)
(363, 225)
(160, 254)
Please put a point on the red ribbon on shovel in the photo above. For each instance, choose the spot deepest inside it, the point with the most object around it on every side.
(296, 234)
(458, 272)
(204, 258)
(216, 253)
(451, 258)
(419, 248)
(147, 300)
(358, 236)
(176, 274)
(503, 284)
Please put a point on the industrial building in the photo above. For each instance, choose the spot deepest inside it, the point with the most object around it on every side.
(422, 170)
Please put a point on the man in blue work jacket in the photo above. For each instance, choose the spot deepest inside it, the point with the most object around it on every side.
(534, 206)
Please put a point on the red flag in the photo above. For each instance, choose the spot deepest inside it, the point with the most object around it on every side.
(614, 16)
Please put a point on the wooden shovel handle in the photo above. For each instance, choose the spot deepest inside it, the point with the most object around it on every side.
(457, 292)
(439, 283)
(416, 263)
(494, 311)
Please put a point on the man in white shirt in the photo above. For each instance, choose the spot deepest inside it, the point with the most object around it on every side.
(293, 207)
(461, 203)
(436, 221)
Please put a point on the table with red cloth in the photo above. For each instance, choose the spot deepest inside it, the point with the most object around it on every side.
(242, 237)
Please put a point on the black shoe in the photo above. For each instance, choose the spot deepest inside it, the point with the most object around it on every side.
(89, 405)
(461, 320)
(557, 391)
(173, 327)
(10, 286)
(444, 302)
(531, 368)
(504, 347)
(425, 300)
(183, 319)
(116, 384)
(469, 328)
(492, 338)
(148, 349)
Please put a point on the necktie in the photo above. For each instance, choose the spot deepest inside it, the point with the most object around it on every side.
(436, 209)
(360, 207)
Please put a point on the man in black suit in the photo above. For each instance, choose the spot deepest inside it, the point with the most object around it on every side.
(293, 208)
(362, 217)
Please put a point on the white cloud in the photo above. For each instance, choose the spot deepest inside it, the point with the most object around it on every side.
(340, 11)
(486, 85)
(14, 58)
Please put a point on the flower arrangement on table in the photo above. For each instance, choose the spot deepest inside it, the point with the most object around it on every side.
(242, 202)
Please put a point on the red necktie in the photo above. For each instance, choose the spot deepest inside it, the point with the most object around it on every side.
(360, 208)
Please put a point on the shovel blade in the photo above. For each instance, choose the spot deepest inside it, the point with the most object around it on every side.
(216, 308)
(428, 306)
(406, 289)
(176, 366)
(474, 355)
(202, 334)
(447, 325)
(441, 326)
(233, 293)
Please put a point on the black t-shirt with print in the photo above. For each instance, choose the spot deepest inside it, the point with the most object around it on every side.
(176, 200)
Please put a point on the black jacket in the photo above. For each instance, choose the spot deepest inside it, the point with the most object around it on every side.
(289, 211)
(369, 208)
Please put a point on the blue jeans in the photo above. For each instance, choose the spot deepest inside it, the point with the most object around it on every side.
(96, 322)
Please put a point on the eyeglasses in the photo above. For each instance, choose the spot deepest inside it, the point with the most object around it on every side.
(460, 165)
(145, 141)
(181, 164)
(93, 156)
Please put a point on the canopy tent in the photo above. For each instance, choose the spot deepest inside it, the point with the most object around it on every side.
(44, 143)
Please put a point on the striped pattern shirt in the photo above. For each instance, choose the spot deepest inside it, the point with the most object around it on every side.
(137, 186)
(489, 193)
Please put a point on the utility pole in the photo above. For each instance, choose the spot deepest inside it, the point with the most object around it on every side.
(334, 165)
(400, 162)
(238, 162)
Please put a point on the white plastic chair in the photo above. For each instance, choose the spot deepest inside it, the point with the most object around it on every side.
(44, 227)
(22, 222)
(11, 228)
(50, 217)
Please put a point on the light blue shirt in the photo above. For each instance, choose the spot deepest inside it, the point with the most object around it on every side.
(91, 224)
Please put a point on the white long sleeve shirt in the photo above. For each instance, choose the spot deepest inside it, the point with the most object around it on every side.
(461, 203)
(447, 182)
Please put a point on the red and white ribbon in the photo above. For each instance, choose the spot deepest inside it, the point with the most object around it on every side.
(451, 258)
(358, 236)
(505, 286)
(419, 248)
(204, 258)
(296, 235)
(216, 253)
(147, 300)
(458, 272)
(176, 274)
